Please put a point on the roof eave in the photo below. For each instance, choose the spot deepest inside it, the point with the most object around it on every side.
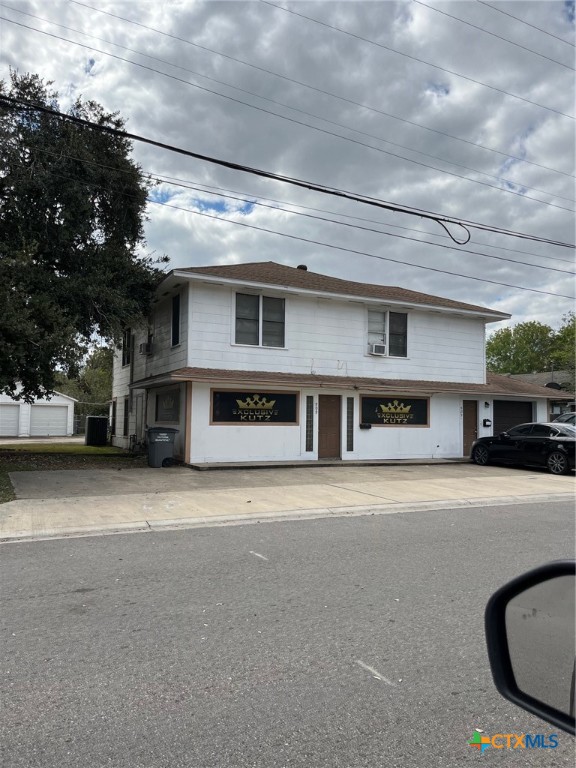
(491, 316)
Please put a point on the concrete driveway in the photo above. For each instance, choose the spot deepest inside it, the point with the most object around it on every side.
(105, 482)
(55, 503)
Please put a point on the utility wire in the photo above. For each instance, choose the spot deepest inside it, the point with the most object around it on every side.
(356, 252)
(373, 230)
(522, 21)
(363, 253)
(493, 34)
(241, 197)
(415, 58)
(440, 219)
(309, 114)
(318, 90)
(209, 189)
(339, 248)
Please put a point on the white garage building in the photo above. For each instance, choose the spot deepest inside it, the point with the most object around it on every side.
(42, 418)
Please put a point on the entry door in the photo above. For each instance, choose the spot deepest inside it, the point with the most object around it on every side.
(329, 427)
(470, 425)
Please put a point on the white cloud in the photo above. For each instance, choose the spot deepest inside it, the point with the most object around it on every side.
(175, 106)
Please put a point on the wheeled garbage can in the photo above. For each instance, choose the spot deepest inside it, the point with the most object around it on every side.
(161, 446)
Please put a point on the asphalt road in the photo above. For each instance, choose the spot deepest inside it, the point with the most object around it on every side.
(341, 643)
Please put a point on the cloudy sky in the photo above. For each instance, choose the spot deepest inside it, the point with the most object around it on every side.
(464, 109)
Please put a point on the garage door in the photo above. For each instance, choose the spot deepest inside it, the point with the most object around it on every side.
(9, 417)
(48, 420)
(509, 413)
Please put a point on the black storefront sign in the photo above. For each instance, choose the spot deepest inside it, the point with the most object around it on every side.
(168, 406)
(395, 411)
(254, 407)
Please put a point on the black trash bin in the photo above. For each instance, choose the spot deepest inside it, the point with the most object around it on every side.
(161, 446)
(96, 430)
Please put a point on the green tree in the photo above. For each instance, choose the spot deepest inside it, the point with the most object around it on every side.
(564, 349)
(523, 348)
(92, 387)
(72, 210)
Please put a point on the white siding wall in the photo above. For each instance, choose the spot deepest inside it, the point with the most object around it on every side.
(330, 337)
(323, 336)
(220, 443)
(442, 439)
(164, 358)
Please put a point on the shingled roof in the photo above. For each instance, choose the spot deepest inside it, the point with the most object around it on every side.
(495, 384)
(271, 273)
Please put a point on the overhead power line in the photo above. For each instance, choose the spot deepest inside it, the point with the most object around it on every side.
(493, 34)
(376, 231)
(415, 58)
(280, 205)
(507, 190)
(522, 21)
(245, 63)
(440, 219)
(209, 189)
(402, 262)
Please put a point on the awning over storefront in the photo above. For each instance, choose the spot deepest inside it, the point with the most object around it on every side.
(496, 385)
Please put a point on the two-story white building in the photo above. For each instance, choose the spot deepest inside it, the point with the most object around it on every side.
(264, 362)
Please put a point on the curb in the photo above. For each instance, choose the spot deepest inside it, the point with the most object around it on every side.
(152, 526)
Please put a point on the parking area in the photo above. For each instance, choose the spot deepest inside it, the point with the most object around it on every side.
(411, 481)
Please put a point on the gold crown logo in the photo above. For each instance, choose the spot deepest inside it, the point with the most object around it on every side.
(168, 402)
(256, 402)
(395, 407)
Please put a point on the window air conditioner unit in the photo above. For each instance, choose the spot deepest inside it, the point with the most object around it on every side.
(377, 349)
(145, 349)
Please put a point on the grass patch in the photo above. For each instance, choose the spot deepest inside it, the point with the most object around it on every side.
(23, 461)
(72, 449)
(28, 458)
(6, 489)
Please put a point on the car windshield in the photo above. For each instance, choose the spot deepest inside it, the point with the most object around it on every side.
(566, 429)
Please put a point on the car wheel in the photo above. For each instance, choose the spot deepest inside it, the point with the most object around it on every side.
(480, 455)
(557, 463)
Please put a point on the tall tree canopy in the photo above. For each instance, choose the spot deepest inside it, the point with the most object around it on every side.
(72, 210)
(93, 385)
(533, 347)
(565, 347)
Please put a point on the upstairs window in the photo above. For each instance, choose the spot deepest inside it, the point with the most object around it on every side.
(259, 320)
(397, 334)
(127, 346)
(388, 333)
(176, 320)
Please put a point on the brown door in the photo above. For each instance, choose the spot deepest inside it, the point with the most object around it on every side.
(470, 424)
(329, 426)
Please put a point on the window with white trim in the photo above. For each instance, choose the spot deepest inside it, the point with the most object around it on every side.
(259, 320)
(388, 333)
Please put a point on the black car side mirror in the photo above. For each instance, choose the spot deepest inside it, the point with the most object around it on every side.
(504, 435)
(530, 633)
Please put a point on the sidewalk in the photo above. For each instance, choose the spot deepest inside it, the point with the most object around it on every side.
(105, 501)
